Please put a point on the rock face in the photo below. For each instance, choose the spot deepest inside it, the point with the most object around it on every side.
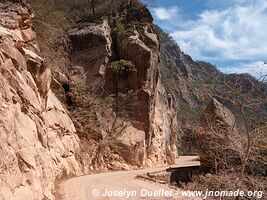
(94, 40)
(37, 138)
(123, 118)
(121, 59)
(152, 109)
(217, 115)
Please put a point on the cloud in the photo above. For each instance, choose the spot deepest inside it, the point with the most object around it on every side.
(257, 68)
(227, 3)
(162, 13)
(235, 33)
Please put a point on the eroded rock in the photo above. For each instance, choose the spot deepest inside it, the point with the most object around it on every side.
(37, 137)
(149, 134)
(217, 115)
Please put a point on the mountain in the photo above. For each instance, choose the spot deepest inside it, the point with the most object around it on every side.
(194, 83)
(95, 86)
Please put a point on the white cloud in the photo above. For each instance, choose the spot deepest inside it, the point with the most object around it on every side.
(235, 33)
(257, 69)
(162, 13)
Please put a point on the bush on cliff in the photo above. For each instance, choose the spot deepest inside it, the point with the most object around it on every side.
(121, 67)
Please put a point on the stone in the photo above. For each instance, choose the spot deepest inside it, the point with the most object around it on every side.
(92, 43)
(37, 140)
(216, 115)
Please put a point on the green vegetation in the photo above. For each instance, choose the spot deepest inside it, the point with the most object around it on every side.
(120, 29)
(121, 67)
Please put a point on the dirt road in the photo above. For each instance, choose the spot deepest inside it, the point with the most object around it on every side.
(122, 185)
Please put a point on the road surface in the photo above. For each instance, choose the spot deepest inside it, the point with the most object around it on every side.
(122, 185)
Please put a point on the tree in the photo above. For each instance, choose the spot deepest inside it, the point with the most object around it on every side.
(246, 97)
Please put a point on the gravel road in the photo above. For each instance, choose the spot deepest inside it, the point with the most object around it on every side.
(122, 185)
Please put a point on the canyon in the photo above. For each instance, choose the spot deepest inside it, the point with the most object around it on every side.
(98, 89)
(42, 135)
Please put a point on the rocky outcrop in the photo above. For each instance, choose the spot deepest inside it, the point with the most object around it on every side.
(217, 115)
(131, 123)
(91, 44)
(37, 138)
(151, 109)
(142, 120)
(219, 142)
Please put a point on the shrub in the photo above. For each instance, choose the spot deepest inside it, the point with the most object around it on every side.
(220, 150)
(228, 182)
(121, 67)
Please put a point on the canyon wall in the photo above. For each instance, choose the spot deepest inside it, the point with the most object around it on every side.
(113, 112)
(119, 56)
(37, 137)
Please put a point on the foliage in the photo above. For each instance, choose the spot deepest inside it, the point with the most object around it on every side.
(94, 114)
(120, 29)
(124, 103)
(85, 112)
(188, 142)
(121, 67)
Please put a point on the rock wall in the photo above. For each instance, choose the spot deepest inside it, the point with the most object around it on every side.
(218, 116)
(149, 131)
(37, 138)
(152, 108)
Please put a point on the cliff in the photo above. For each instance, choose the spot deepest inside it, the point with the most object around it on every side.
(118, 57)
(100, 106)
(38, 140)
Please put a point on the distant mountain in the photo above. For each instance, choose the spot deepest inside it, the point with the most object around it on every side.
(194, 83)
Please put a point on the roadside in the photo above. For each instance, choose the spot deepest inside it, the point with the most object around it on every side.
(122, 185)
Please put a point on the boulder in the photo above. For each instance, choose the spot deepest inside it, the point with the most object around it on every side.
(216, 115)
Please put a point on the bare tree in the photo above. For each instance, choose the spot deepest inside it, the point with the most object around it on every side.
(246, 96)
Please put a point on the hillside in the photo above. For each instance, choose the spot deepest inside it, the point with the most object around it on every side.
(194, 83)
(94, 86)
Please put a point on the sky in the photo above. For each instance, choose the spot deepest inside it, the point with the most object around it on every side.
(231, 34)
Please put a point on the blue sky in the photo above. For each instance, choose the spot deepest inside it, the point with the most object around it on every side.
(231, 34)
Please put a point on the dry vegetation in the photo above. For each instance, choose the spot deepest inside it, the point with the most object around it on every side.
(236, 157)
(233, 158)
(68, 12)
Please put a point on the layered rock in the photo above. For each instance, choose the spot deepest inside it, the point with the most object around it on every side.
(37, 137)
